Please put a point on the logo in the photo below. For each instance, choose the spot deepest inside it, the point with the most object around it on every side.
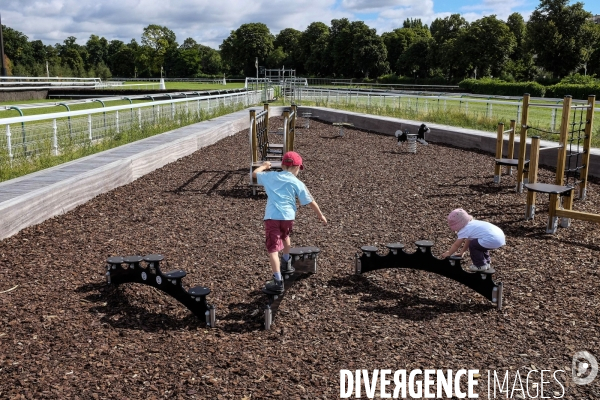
(585, 368)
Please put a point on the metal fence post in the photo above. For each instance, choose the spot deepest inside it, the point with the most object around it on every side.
(55, 137)
(90, 127)
(8, 144)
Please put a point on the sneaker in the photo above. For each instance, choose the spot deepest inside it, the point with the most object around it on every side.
(286, 266)
(475, 268)
(274, 286)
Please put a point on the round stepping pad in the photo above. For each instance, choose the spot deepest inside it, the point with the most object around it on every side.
(153, 258)
(394, 246)
(177, 274)
(424, 243)
(114, 260)
(132, 259)
(199, 291)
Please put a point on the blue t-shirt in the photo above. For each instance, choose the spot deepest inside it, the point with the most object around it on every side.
(282, 189)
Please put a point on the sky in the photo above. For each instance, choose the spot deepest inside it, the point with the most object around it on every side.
(209, 22)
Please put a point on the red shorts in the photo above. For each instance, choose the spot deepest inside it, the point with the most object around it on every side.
(276, 232)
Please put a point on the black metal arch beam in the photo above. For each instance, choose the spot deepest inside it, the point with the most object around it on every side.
(424, 260)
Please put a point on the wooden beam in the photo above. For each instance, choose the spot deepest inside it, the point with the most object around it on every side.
(579, 215)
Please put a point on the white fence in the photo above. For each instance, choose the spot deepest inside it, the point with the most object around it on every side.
(29, 82)
(28, 135)
(546, 114)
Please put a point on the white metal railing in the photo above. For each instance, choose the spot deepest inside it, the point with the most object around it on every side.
(28, 135)
(34, 82)
(427, 103)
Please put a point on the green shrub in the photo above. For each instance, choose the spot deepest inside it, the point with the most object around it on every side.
(577, 91)
(501, 88)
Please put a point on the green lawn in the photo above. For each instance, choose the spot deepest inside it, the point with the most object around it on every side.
(54, 107)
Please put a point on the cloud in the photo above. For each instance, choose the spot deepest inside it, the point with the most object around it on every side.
(207, 22)
(501, 8)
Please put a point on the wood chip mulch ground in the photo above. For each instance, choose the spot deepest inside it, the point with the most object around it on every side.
(65, 335)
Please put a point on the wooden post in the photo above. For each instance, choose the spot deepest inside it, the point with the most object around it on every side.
(511, 145)
(523, 143)
(499, 145)
(560, 167)
(534, 154)
(292, 136)
(253, 138)
(266, 108)
(286, 124)
(587, 145)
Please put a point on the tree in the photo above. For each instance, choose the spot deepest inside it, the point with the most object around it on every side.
(369, 55)
(211, 63)
(520, 65)
(97, 49)
(244, 45)
(72, 56)
(415, 61)
(156, 41)
(448, 28)
(593, 66)
(396, 43)
(184, 62)
(122, 58)
(341, 47)
(487, 45)
(556, 34)
(444, 51)
(314, 44)
(17, 47)
(289, 41)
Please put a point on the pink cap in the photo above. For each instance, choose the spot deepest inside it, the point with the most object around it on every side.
(458, 219)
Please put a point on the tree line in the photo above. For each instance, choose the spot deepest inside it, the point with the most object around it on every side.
(558, 40)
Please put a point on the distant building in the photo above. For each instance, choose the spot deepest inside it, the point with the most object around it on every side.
(596, 19)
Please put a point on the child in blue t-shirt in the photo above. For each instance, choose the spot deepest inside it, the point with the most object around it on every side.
(478, 236)
(282, 190)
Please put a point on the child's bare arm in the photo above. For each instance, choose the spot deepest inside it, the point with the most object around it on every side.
(465, 247)
(455, 246)
(317, 211)
(266, 165)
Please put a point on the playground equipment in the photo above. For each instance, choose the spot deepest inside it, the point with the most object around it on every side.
(571, 167)
(422, 259)
(169, 282)
(412, 138)
(304, 262)
(341, 125)
(509, 162)
(260, 148)
(521, 162)
(307, 116)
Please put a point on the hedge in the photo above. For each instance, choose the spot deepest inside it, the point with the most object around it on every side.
(500, 88)
(580, 92)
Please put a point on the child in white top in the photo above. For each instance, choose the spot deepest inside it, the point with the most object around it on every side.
(478, 236)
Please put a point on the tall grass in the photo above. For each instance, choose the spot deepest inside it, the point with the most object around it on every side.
(45, 158)
(453, 116)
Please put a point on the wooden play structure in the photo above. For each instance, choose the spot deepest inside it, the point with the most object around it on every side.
(510, 162)
(571, 168)
(261, 149)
